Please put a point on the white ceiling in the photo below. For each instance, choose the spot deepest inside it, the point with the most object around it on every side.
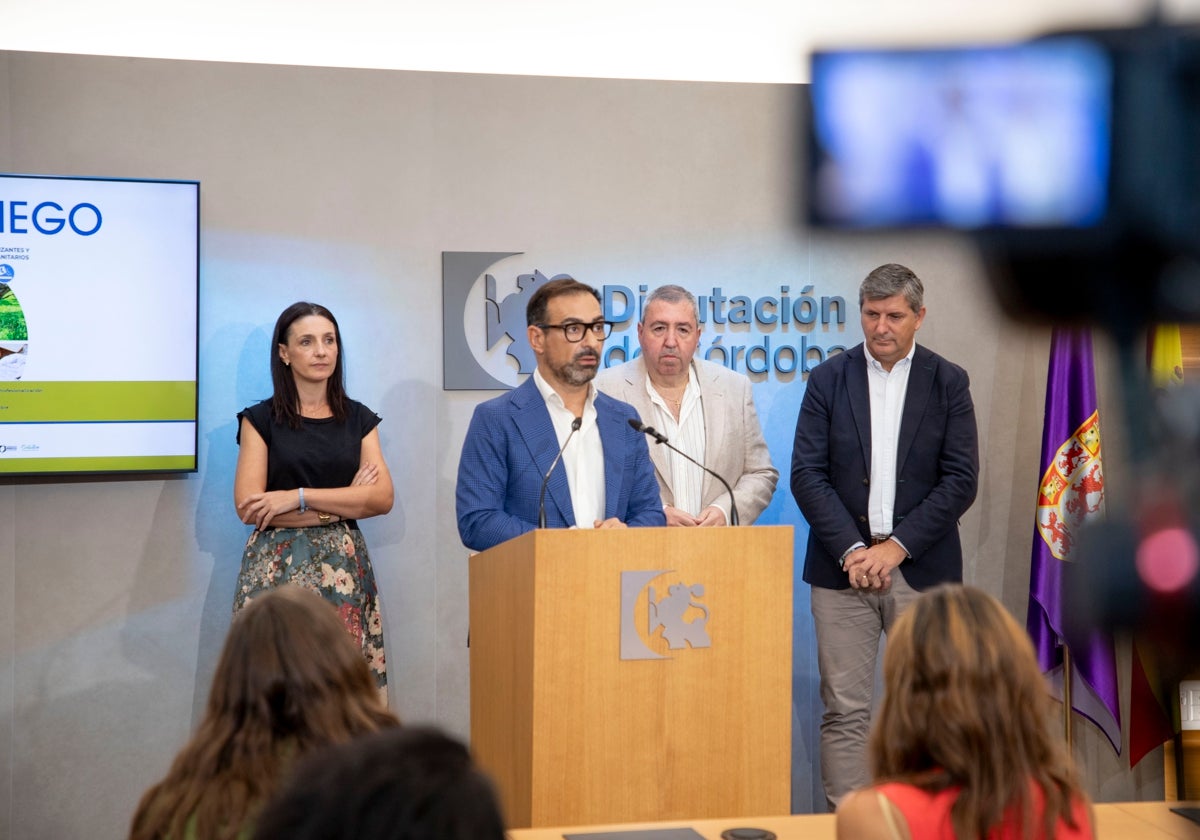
(744, 41)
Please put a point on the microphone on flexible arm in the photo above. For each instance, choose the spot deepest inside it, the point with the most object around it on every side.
(575, 424)
(659, 437)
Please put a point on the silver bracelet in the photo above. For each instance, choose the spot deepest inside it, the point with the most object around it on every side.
(303, 507)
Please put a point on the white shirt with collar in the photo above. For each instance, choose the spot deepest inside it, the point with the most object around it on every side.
(686, 433)
(583, 460)
(887, 391)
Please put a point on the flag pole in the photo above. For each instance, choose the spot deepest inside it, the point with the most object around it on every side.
(1066, 696)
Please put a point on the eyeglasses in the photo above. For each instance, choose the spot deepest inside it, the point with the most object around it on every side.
(575, 331)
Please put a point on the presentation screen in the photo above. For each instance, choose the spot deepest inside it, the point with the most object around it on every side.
(1004, 136)
(99, 287)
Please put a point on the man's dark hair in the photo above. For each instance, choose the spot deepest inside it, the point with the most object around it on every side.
(535, 311)
(412, 783)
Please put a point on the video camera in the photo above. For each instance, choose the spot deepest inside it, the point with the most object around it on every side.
(1072, 160)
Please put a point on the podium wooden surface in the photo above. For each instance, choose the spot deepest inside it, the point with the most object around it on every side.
(1114, 821)
(574, 734)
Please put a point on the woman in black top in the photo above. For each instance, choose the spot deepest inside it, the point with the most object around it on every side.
(309, 465)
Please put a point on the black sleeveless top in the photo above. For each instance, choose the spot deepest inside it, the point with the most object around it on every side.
(321, 453)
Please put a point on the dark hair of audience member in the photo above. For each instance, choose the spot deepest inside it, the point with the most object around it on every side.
(966, 705)
(290, 679)
(414, 783)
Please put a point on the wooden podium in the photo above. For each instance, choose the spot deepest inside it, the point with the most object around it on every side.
(573, 733)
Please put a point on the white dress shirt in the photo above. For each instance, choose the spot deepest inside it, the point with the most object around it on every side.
(686, 433)
(583, 460)
(887, 391)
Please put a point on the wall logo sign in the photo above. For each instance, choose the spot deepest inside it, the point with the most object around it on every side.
(677, 611)
(484, 346)
(472, 364)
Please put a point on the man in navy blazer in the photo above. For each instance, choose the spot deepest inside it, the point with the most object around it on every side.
(885, 461)
(604, 478)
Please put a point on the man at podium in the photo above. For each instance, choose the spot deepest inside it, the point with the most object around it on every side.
(555, 447)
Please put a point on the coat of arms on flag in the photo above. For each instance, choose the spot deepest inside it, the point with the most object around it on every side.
(1072, 487)
(1071, 495)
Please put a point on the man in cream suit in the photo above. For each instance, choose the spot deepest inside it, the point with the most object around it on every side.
(703, 408)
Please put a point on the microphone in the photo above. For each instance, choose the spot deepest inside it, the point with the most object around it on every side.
(575, 424)
(659, 437)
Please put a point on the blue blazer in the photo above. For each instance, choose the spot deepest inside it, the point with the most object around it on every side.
(509, 446)
(937, 467)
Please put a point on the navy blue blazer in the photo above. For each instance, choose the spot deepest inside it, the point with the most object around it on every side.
(509, 446)
(937, 467)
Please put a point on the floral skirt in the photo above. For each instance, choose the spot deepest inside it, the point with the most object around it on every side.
(332, 561)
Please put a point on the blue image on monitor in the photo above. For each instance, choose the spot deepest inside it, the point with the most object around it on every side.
(969, 138)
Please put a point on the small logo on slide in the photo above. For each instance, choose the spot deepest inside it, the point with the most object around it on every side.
(484, 345)
(679, 613)
(6, 272)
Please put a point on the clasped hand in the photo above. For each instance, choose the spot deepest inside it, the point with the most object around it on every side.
(711, 515)
(871, 568)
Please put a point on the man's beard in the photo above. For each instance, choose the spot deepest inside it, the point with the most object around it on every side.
(573, 374)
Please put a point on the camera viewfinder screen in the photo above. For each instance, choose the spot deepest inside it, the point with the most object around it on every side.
(1010, 136)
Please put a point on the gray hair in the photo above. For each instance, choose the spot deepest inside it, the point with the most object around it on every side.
(893, 279)
(671, 294)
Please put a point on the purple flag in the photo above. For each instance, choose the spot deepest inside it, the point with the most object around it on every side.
(1071, 491)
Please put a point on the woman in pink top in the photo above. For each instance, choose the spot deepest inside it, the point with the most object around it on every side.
(964, 745)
